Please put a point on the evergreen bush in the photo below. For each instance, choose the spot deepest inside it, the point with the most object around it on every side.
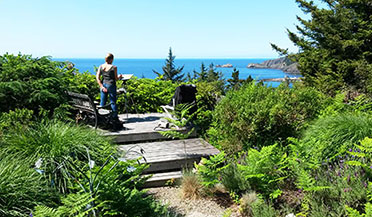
(257, 115)
(31, 83)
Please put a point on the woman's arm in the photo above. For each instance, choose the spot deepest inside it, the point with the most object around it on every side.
(116, 73)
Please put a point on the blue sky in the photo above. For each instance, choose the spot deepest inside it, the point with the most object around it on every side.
(146, 28)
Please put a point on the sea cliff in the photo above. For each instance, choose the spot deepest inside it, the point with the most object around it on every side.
(284, 64)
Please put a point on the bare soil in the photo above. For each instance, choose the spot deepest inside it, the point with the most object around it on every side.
(220, 205)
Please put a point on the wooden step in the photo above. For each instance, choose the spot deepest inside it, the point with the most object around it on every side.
(162, 179)
(169, 155)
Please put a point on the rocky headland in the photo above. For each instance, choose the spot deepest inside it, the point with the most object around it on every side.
(283, 63)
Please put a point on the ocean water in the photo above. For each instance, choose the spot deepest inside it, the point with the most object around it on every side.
(144, 67)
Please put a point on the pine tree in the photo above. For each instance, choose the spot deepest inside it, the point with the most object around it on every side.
(335, 44)
(202, 75)
(170, 72)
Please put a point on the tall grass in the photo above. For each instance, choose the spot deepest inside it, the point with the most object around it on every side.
(56, 139)
(59, 146)
(22, 188)
(334, 135)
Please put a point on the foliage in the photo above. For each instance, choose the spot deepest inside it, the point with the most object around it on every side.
(340, 103)
(233, 179)
(83, 83)
(263, 169)
(182, 119)
(31, 83)
(362, 158)
(170, 72)
(346, 187)
(207, 96)
(257, 115)
(235, 83)
(72, 205)
(331, 188)
(335, 44)
(261, 208)
(331, 136)
(118, 190)
(21, 187)
(210, 169)
(53, 142)
(146, 95)
(15, 121)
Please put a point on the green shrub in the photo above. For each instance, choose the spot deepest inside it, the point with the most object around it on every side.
(31, 83)
(15, 121)
(333, 135)
(207, 97)
(257, 115)
(84, 83)
(146, 95)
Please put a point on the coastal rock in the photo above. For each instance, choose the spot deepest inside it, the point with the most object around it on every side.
(284, 64)
(228, 65)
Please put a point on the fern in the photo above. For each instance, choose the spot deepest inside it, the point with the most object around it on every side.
(365, 148)
(211, 169)
(77, 205)
(182, 120)
(264, 169)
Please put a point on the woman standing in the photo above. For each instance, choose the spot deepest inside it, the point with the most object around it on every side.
(109, 75)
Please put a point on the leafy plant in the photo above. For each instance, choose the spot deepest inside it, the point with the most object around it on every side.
(182, 119)
(72, 205)
(264, 169)
(210, 169)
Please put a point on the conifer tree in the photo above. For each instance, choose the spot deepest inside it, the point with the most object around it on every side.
(170, 72)
(202, 75)
(335, 44)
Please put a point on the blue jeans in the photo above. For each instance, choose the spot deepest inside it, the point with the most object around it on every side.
(111, 92)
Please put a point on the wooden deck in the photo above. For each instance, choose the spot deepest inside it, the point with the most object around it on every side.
(139, 127)
(167, 158)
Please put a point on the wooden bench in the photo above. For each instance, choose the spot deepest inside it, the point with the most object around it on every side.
(86, 107)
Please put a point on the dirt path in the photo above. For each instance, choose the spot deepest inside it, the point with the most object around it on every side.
(202, 207)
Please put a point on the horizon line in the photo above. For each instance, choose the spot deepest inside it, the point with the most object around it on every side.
(158, 58)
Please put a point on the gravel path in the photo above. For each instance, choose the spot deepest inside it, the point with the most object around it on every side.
(202, 207)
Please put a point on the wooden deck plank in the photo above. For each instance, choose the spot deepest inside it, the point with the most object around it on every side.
(160, 179)
(166, 150)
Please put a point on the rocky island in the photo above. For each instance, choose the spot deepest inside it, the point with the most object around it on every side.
(284, 64)
(228, 65)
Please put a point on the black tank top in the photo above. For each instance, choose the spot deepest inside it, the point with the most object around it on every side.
(108, 76)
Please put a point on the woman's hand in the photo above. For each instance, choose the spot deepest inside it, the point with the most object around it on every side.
(104, 89)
